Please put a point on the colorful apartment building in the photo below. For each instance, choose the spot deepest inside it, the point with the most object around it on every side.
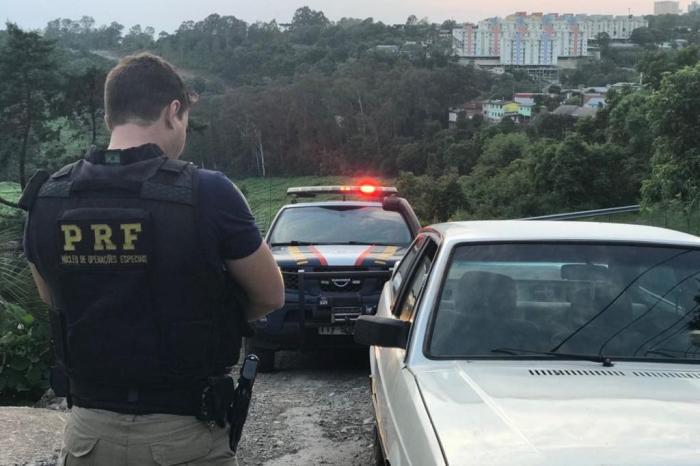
(539, 39)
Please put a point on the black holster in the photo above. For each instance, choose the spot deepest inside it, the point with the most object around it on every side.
(238, 411)
(217, 398)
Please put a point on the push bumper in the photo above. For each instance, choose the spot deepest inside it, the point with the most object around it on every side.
(311, 319)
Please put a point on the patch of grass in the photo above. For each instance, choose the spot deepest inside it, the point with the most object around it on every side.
(10, 192)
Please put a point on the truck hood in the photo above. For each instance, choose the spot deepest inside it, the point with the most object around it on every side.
(563, 413)
(350, 255)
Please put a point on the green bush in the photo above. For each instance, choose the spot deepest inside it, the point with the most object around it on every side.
(25, 352)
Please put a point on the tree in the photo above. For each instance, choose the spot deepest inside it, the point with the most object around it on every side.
(84, 92)
(502, 149)
(448, 24)
(138, 38)
(574, 175)
(29, 77)
(550, 125)
(645, 36)
(674, 117)
(307, 25)
(434, 199)
(653, 65)
(306, 17)
(603, 40)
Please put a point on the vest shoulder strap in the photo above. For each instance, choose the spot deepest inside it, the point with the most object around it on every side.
(31, 191)
(64, 172)
(58, 184)
(174, 166)
(175, 181)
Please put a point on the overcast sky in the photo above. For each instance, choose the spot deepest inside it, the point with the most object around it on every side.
(167, 15)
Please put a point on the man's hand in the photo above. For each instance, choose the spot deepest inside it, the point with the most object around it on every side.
(261, 281)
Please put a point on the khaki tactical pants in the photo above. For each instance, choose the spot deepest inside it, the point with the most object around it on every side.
(97, 437)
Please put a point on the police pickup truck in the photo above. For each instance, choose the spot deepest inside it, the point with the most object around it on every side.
(335, 257)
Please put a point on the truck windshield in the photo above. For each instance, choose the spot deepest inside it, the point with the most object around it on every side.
(621, 301)
(340, 225)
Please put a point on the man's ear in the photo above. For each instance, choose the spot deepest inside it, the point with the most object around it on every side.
(171, 113)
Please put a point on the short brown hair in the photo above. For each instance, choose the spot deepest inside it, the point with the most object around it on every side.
(140, 86)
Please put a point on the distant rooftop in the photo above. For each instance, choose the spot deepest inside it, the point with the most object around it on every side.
(575, 111)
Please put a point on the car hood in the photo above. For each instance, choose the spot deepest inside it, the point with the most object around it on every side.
(494, 414)
(349, 255)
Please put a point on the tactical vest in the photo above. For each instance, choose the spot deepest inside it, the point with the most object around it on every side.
(139, 319)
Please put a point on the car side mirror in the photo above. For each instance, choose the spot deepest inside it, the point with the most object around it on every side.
(382, 331)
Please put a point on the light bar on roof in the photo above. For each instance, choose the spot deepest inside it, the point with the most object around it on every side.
(365, 190)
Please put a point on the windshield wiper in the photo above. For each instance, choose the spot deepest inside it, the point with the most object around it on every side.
(604, 360)
(661, 353)
(360, 243)
(293, 243)
(611, 303)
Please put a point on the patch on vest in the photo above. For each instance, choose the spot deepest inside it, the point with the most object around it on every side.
(104, 241)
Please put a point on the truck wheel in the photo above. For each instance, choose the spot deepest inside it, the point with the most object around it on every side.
(378, 454)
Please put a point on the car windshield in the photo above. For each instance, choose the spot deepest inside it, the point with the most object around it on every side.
(621, 301)
(340, 225)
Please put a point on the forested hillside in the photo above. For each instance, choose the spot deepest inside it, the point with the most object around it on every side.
(356, 96)
(327, 101)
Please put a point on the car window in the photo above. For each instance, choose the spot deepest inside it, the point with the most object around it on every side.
(625, 301)
(405, 266)
(340, 224)
(416, 282)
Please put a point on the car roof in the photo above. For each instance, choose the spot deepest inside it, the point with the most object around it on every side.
(536, 230)
(333, 204)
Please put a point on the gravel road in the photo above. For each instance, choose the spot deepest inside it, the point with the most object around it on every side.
(314, 409)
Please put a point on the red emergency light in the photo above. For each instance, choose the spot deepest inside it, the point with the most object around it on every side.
(364, 189)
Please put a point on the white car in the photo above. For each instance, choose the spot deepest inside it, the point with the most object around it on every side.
(539, 343)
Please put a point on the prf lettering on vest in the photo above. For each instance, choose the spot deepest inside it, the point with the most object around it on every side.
(130, 231)
(71, 234)
(102, 236)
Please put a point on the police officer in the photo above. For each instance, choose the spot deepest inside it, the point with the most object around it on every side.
(138, 255)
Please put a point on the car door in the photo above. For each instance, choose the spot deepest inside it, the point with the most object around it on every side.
(402, 422)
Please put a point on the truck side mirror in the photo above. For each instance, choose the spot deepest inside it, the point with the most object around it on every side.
(382, 331)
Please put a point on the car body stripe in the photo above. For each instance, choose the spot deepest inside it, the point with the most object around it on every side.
(298, 255)
(318, 255)
(361, 258)
(388, 252)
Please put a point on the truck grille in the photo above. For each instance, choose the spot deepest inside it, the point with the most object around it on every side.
(291, 279)
(337, 284)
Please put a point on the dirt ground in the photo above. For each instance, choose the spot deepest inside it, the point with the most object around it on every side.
(314, 409)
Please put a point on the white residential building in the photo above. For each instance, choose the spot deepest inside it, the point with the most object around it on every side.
(666, 8)
(538, 39)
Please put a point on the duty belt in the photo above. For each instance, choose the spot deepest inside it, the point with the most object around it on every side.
(182, 401)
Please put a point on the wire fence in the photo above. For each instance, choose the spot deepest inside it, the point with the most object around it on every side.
(688, 222)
